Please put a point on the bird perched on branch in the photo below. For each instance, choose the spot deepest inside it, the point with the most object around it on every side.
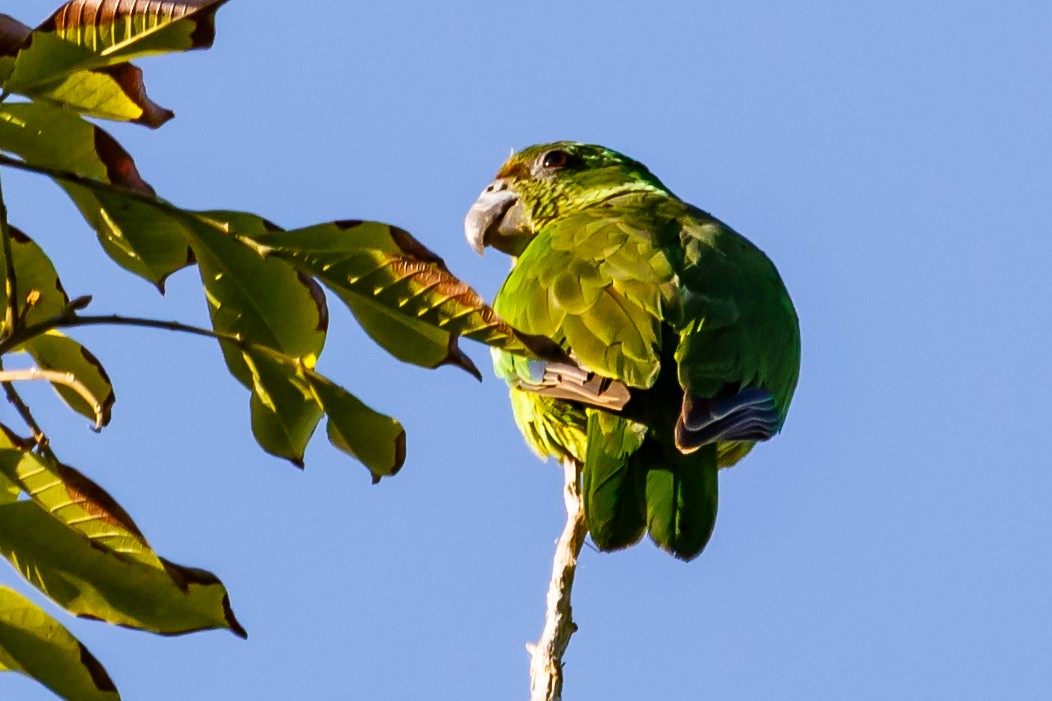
(682, 347)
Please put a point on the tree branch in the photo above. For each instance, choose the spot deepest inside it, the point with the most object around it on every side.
(39, 437)
(546, 656)
(56, 377)
(68, 318)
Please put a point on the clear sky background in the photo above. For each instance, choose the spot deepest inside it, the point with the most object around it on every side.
(893, 159)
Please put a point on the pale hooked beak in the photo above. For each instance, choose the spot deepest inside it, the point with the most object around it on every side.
(489, 217)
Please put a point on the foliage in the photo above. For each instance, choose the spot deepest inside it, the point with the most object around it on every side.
(265, 290)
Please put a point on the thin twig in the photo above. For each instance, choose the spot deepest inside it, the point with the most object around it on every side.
(68, 318)
(39, 437)
(10, 281)
(546, 656)
(56, 377)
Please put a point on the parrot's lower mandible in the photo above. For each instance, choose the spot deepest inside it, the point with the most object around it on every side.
(682, 345)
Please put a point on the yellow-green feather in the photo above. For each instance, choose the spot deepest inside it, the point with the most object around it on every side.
(648, 290)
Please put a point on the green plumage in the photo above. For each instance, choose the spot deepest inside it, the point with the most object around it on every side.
(643, 288)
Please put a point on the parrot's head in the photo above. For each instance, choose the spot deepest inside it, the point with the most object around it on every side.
(542, 183)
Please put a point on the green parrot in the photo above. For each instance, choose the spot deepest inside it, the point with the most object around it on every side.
(682, 347)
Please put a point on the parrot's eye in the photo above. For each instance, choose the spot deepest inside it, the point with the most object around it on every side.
(555, 159)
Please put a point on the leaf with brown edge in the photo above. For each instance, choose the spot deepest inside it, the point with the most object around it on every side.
(40, 292)
(281, 382)
(115, 92)
(35, 644)
(407, 294)
(147, 240)
(101, 566)
(42, 66)
(12, 34)
(83, 37)
(94, 582)
(118, 30)
(378, 441)
(56, 351)
(73, 499)
(50, 137)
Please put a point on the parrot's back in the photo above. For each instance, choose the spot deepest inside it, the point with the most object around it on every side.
(689, 316)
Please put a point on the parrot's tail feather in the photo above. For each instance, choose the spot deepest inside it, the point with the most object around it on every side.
(682, 499)
(614, 482)
(748, 415)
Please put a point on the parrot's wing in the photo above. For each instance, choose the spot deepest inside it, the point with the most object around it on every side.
(599, 283)
(572, 382)
(738, 354)
(748, 415)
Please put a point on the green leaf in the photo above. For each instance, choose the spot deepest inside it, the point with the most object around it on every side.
(44, 68)
(266, 302)
(35, 644)
(86, 553)
(378, 441)
(83, 38)
(147, 240)
(119, 31)
(9, 489)
(96, 583)
(284, 412)
(40, 292)
(72, 498)
(55, 351)
(405, 291)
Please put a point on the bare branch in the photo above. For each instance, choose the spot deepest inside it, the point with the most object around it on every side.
(56, 377)
(39, 437)
(546, 656)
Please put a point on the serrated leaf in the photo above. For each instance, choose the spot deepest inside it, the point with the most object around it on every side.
(40, 292)
(147, 240)
(402, 286)
(35, 644)
(96, 583)
(55, 351)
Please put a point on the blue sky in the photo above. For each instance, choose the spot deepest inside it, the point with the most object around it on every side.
(893, 159)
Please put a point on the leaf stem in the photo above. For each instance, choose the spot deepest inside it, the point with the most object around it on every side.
(10, 282)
